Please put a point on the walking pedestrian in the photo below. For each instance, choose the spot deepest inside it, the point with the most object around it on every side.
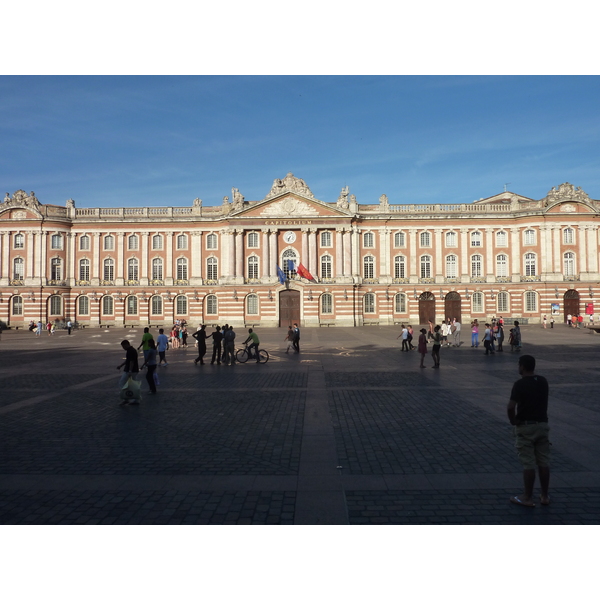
(551, 322)
(435, 349)
(131, 367)
(579, 321)
(38, 331)
(487, 339)
(289, 338)
(422, 346)
(517, 334)
(544, 321)
(404, 334)
(150, 363)
(49, 327)
(69, 327)
(474, 334)
(162, 343)
(144, 343)
(456, 324)
(200, 337)
(296, 337)
(569, 320)
(528, 412)
(410, 337)
(500, 337)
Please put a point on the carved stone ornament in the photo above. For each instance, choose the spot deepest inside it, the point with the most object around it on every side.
(567, 208)
(342, 201)
(289, 184)
(238, 199)
(289, 207)
(20, 198)
(383, 199)
(566, 191)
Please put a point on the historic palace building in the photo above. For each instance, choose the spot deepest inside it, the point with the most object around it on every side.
(241, 262)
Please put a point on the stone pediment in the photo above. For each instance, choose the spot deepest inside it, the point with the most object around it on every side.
(567, 198)
(290, 206)
(26, 205)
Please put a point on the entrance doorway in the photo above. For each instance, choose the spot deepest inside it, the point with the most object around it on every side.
(426, 308)
(289, 307)
(571, 303)
(452, 306)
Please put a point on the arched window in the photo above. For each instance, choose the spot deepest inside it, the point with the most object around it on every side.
(18, 268)
(182, 244)
(399, 267)
(132, 269)
(369, 303)
(501, 265)
(253, 240)
(132, 242)
(84, 269)
(211, 241)
(369, 267)
(157, 268)
(477, 300)
(56, 269)
(157, 242)
(400, 303)
(211, 304)
(326, 239)
(84, 305)
(501, 239)
(182, 268)
(55, 306)
(109, 242)
(109, 269)
(17, 305)
(569, 263)
(399, 240)
(19, 243)
(326, 304)
(530, 302)
(56, 242)
(211, 269)
(569, 235)
(530, 264)
(156, 305)
(529, 237)
(326, 266)
(289, 255)
(368, 240)
(253, 267)
(475, 239)
(451, 239)
(502, 302)
(181, 305)
(476, 260)
(84, 242)
(132, 305)
(451, 262)
(425, 266)
(252, 304)
(107, 305)
(425, 238)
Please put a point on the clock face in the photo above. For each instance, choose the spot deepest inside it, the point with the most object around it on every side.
(289, 237)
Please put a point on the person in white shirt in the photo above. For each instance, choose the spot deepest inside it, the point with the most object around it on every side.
(162, 343)
(456, 325)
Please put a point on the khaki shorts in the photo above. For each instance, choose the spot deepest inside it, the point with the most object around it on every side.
(533, 445)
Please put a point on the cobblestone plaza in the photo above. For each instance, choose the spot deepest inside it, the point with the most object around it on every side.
(349, 431)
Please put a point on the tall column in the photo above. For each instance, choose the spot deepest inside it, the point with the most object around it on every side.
(582, 249)
(304, 253)
(339, 256)
(355, 246)
(227, 237)
(169, 258)
(489, 252)
(44, 255)
(265, 253)
(95, 274)
(592, 236)
(437, 267)
(515, 250)
(120, 254)
(273, 253)
(412, 257)
(239, 253)
(70, 266)
(556, 243)
(464, 252)
(548, 263)
(196, 266)
(30, 255)
(312, 252)
(145, 242)
(347, 252)
(5, 237)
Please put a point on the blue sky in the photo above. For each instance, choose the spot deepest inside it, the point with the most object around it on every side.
(165, 140)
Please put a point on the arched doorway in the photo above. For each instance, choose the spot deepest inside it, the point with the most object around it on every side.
(452, 306)
(289, 307)
(571, 298)
(426, 308)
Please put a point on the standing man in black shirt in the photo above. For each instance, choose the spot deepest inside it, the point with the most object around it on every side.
(217, 337)
(529, 397)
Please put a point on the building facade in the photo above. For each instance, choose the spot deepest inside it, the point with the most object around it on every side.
(238, 263)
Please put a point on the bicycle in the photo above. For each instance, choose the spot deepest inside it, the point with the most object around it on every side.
(243, 354)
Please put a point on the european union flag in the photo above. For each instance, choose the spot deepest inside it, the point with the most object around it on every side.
(281, 275)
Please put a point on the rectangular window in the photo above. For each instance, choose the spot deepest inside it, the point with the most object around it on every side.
(399, 240)
(530, 302)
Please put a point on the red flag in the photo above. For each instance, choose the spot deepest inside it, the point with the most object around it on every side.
(304, 273)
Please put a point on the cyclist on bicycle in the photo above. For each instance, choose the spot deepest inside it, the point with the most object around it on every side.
(255, 343)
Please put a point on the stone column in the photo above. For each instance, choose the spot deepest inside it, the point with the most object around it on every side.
(304, 253)
(355, 249)
(120, 255)
(44, 255)
(239, 253)
(265, 253)
(5, 237)
(592, 236)
(556, 243)
(515, 249)
(70, 266)
(196, 266)
(145, 242)
(437, 266)
(339, 256)
(464, 253)
(312, 252)
(29, 265)
(412, 257)
(582, 248)
(547, 260)
(489, 252)
(273, 253)
(347, 252)
(169, 258)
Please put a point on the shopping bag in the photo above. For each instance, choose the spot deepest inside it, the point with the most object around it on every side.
(131, 390)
